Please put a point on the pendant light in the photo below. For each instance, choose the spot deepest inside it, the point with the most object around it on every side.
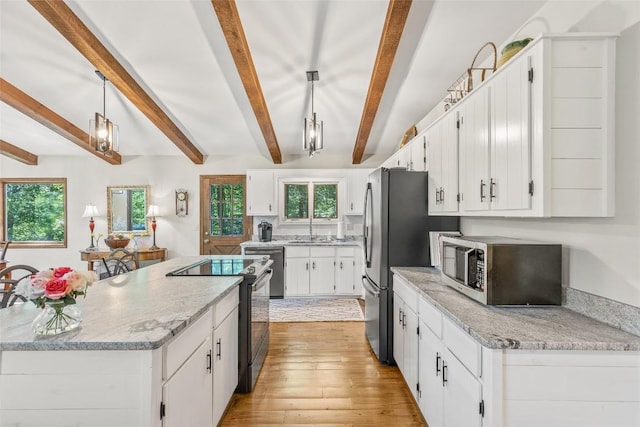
(103, 133)
(312, 135)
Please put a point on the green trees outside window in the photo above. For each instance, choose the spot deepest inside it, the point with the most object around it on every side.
(35, 211)
(325, 201)
(227, 208)
(323, 197)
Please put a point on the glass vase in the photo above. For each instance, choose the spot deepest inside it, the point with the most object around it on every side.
(56, 318)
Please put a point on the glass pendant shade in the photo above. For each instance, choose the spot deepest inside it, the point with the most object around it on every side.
(103, 135)
(312, 138)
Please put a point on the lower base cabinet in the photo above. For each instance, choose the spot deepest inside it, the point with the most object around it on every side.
(225, 363)
(189, 391)
(463, 384)
(322, 271)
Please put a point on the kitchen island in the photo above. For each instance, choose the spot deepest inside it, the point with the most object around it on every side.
(478, 365)
(144, 350)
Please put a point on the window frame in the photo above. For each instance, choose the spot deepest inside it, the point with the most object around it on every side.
(3, 212)
(310, 182)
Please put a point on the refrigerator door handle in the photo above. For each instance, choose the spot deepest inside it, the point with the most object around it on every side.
(370, 288)
(365, 224)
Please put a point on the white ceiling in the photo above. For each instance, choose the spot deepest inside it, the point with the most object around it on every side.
(176, 51)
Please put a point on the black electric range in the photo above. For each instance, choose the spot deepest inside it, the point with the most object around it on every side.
(253, 313)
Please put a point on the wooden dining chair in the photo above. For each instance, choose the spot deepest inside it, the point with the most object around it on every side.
(119, 261)
(10, 277)
(5, 245)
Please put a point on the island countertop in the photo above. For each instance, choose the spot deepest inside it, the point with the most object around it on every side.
(140, 310)
(530, 328)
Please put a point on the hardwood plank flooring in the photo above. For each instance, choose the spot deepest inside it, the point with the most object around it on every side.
(324, 373)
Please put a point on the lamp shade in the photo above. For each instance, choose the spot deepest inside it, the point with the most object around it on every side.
(90, 211)
(153, 211)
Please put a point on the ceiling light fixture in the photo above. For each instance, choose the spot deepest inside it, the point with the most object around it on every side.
(312, 136)
(103, 134)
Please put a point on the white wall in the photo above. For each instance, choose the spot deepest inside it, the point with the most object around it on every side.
(88, 177)
(602, 255)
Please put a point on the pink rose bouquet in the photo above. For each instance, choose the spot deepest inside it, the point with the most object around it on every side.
(61, 285)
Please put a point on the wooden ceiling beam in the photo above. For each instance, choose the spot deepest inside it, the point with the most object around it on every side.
(233, 32)
(11, 95)
(17, 153)
(76, 32)
(397, 13)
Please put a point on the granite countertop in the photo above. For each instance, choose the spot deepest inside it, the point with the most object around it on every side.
(530, 328)
(140, 310)
(293, 241)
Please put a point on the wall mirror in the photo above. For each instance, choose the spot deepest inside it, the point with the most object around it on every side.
(127, 209)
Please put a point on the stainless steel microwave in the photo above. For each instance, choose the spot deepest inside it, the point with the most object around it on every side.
(503, 271)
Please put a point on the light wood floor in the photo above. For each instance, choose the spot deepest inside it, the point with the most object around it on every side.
(323, 373)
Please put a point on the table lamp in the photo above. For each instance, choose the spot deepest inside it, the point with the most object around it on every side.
(152, 213)
(89, 212)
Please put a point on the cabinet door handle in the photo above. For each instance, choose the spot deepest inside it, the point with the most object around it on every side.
(209, 361)
(400, 315)
(492, 192)
(269, 207)
(482, 185)
(351, 205)
(307, 266)
(437, 363)
(441, 195)
(219, 348)
(340, 265)
(313, 265)
(444, 373)
(437, 197)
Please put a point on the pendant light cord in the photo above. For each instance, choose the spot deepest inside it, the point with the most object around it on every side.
(104, 97)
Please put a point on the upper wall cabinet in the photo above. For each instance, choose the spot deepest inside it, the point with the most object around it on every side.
(442, 144)
(356, 186)
(536, 139)
(261, 195)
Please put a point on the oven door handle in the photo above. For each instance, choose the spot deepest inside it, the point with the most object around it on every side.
(262, 281)
(370, 287)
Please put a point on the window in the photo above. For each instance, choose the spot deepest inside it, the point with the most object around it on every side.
(227, 209)
(34, 211)
(299, 196)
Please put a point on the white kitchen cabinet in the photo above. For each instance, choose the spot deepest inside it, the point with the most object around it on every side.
(430, 397)
(356, 186)
(495, 143)
(510, 151)
(296, 271)
(462, 394)
(261, 194)
(188, 394)
(536, 138)
(418, 149)
(474, 152)
(450, 393)
(442, 144)
(322, 272)
(405, 333)
(225, 362)
(346, 271)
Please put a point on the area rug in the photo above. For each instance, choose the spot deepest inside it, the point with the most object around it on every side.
(315, 310)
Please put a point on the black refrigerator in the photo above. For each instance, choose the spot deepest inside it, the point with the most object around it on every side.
(396, 228)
